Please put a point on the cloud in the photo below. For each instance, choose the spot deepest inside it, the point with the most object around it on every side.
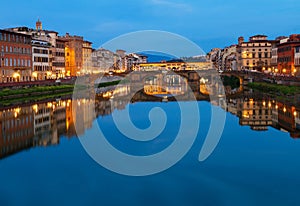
(173, 5)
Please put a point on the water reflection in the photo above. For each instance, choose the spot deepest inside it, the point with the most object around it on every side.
(165, 85)
(261, 112)
(44, 123)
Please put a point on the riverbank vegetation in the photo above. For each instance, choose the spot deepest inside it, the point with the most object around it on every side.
(274, 89)
(9, 93)
(106, 84)
(232, 81)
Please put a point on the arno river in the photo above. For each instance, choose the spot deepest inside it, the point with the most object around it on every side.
(256, 161)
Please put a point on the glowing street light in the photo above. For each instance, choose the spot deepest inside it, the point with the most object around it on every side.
(16, 75)
(284, 109)
(34, 75)
(35, 108)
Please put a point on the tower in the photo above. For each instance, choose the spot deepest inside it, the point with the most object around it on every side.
(38, 25)
(241, 40)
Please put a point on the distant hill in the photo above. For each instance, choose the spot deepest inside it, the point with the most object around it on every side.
(157, 56)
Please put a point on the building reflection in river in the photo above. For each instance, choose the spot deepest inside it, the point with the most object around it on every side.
(17, 129)
(261, 112)
(44, 123)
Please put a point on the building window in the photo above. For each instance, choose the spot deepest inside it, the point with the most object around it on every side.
(11, 62)
(15, 62)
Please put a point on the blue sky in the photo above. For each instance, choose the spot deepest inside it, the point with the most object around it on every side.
(210, 23)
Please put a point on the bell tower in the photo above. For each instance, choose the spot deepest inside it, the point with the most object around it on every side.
(38, 25)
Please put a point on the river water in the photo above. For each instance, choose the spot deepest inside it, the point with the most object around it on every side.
(256, 161)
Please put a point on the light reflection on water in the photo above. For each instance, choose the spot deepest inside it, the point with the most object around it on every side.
(255, 163)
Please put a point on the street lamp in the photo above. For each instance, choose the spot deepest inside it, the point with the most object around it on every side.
(34, 75)
(49, 74)
(16, 76)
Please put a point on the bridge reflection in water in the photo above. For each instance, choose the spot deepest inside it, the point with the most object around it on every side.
(165, 85)
(44, 123)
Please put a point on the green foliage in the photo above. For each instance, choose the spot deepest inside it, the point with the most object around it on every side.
(33, 98)
(37, 89)
(106, 84)
(232, 81)
(275, 88)
(31, 94)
